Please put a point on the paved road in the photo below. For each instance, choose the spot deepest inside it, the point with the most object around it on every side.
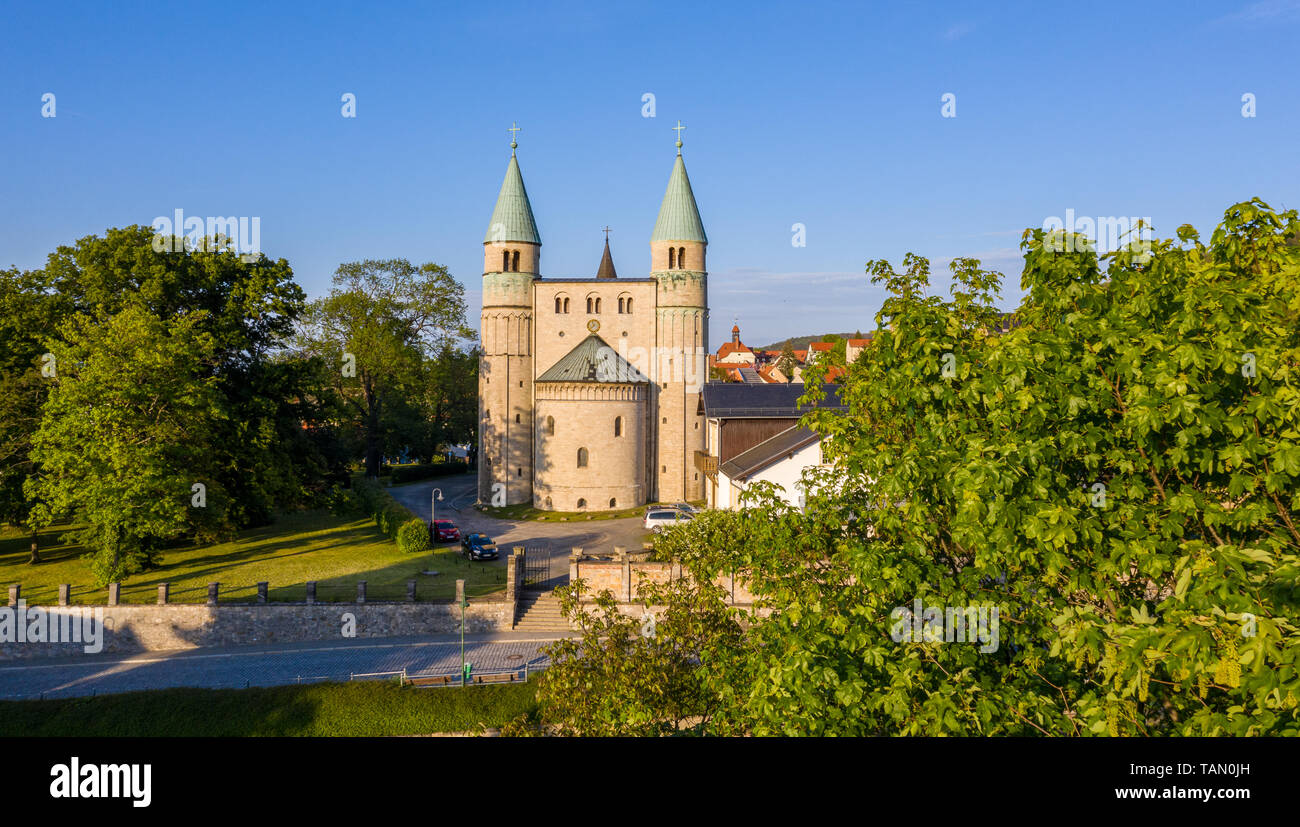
(238, 667)
(459, 494)
(287, 663)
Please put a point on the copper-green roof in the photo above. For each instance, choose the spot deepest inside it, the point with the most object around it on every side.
(512, 220)
(593, 361)
(679, 218)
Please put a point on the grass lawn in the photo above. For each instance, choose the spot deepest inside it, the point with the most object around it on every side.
(361, 708)
(300, 546)
(525, 511)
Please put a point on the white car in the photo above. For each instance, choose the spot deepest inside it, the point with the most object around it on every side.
(658, 518)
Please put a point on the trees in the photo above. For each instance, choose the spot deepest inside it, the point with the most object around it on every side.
(26, 312)
(637, 676)
(1119, 476)
(378, 324)
(247, 309)
(76, 443)
(787, 361)
(124, 433)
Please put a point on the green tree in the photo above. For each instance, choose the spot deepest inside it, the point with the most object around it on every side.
(259, 453)
(1119, 475)
(646, 675)
(122, 436)
(27, 313)
(378, 324)
(787, 361)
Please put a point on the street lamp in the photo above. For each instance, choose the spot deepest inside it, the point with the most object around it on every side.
(464, 667)
(434, 498)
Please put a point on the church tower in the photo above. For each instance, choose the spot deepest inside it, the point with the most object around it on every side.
(677, 263)
(511, 261)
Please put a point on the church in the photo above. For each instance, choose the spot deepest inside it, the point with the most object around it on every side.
(589, 388)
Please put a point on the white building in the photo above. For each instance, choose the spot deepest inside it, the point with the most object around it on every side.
(752, 433)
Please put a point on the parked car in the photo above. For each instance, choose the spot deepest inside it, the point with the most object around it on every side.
(659, 518)
(478, 547)
(685, 508)
(445, 531)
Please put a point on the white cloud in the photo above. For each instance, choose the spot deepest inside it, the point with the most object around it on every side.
(1265, 11)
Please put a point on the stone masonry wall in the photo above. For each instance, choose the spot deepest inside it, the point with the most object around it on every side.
(148, 628)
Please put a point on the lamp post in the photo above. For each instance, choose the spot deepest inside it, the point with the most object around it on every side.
(464, 669)
(435, 497)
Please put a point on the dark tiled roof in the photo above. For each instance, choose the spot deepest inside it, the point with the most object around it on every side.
(749, 462)
(738, 400)
(606, 270)
(592, 361)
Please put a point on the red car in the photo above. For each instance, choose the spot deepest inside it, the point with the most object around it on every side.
(445, 531)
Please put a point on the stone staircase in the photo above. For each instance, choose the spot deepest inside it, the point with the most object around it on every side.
(540, 612)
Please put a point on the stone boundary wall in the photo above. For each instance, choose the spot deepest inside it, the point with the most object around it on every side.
(129, 629)
(622, 576)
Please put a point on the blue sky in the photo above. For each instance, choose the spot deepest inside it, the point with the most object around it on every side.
(828, 115)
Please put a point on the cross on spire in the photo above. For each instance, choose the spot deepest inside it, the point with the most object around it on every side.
(606, 233)
(679, 129)
(513, 130)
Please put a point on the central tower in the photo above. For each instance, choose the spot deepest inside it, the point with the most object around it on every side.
(511, 262)
(677, 263)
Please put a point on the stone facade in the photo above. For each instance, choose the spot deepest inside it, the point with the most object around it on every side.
(658, 324)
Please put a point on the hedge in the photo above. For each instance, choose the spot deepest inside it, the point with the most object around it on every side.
(379, 505)
(423, 471)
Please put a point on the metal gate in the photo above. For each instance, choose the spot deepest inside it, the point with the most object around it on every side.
(538, 569)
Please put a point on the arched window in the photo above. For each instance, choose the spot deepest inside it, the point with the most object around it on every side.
(582, 503)
(557, 304)
(613, 503)
(620, 304)
(566, 305)
(516, 419)
(515, 262)
(550, 426)
(672, 258)
(589, 304)
(505, 261)
(618, 426)
(582, 457)
(629, 304)
(597, 305)
(681, 258)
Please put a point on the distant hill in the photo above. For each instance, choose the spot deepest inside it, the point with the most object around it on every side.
(801, 342)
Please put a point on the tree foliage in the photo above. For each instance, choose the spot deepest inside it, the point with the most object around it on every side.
(377, 326)
(1119, 475)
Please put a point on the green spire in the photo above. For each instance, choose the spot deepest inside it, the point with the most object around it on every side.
(679, 218)
(512, 220)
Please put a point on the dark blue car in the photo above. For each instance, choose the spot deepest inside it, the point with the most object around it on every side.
(478, 547)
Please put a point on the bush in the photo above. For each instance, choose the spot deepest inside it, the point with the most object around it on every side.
(413, 536)
(375, 502)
